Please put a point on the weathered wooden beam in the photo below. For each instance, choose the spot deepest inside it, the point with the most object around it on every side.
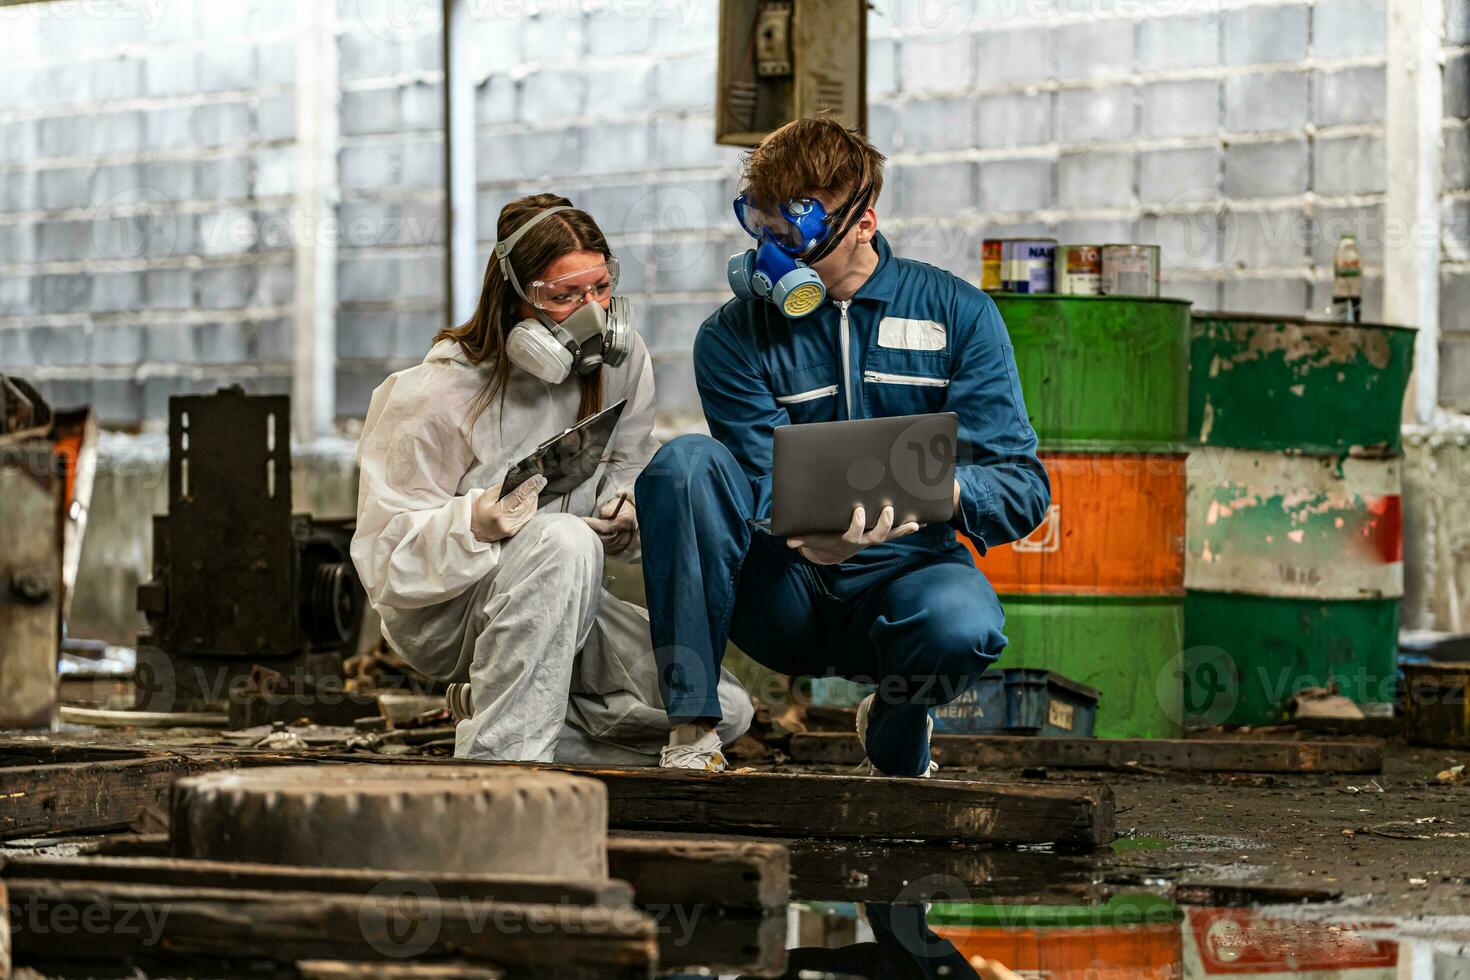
(190, 873)
(764, 804)
(350, 970)
(153, 921)
(737, 874)
(71, 797)
(701, 938)
(1197, 755)
(663, 870)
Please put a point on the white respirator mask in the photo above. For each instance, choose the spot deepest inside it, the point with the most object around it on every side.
(587, 337)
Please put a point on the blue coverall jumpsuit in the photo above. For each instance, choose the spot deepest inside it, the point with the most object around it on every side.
(915, 616)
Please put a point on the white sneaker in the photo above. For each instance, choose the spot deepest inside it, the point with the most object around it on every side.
(705, 752)
(867, 767)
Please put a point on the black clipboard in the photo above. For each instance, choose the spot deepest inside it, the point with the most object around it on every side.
(569, 458)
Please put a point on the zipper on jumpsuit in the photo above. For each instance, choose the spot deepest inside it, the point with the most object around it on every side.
(842, 305)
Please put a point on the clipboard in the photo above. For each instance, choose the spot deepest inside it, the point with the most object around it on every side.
(569, 458)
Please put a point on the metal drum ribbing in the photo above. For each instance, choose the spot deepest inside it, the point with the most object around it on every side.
(1295, 528)
(1096, 593)
(1273, 383)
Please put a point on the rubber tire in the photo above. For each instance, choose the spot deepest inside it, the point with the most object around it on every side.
(470, 819)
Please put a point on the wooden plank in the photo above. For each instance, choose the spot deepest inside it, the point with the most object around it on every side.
(698, 939)
(1077, 816)
(731, 874)
(350, 970)
(687, 872)
(73, 797)
(105, 795)
(1197, 755)
(125, 921)
(801, 805)
(190, 873)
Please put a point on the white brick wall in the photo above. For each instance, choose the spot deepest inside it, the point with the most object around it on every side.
(139, 203)
(1241, 136)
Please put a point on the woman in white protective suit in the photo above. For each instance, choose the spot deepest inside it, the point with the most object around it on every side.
(506, 594)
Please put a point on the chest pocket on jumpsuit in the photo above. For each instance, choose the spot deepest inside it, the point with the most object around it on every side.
(809, 394)
(907, 370)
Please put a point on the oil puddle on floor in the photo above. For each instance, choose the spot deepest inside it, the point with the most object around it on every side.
(897, 911)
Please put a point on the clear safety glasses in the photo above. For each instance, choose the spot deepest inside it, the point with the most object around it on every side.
(565, 293)
(799, 224)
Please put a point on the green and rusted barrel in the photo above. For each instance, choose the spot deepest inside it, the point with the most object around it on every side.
(1097, 592)
(1295, 550)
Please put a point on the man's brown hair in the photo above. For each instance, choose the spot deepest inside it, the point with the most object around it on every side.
(815, 155)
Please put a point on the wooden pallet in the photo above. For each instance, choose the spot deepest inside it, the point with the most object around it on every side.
(84, 796)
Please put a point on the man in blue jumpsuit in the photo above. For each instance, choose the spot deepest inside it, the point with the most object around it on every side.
(902, 607)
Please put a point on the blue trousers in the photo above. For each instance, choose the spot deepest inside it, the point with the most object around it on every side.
(915, 616)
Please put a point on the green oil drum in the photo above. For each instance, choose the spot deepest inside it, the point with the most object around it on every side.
(1101, 373)
(1128, 647)
(1247, 655)
(1295, 542)
(1289, 384)
(1104, 378)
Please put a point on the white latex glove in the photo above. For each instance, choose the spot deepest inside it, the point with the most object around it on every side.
(496, 520)
(829, 549)
(616, 533)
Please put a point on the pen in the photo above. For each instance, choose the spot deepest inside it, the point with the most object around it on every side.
(622, 499)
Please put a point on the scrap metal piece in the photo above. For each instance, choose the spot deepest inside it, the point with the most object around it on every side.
(30, 568)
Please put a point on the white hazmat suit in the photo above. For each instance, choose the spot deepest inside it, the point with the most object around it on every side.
(559, 668)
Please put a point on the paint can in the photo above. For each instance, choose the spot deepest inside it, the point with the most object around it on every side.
(1079, 270)
(990, 264)
(1026, 265)
(1130, 270)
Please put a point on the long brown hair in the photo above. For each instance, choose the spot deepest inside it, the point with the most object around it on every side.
(483, 335)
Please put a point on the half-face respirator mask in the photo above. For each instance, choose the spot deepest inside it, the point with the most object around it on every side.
(793, 237)
(587, 336)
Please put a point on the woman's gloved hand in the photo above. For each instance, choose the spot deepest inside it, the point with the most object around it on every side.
(829, 549)
(615, 532)
(496, 520)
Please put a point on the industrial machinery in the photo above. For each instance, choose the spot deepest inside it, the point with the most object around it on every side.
(781, 60)
(239, 580)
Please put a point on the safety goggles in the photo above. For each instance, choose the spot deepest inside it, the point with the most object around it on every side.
(565, 293)
(796, 226)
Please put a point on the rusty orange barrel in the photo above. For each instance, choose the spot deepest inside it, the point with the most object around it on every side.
(1131, 937)
(1115, 527)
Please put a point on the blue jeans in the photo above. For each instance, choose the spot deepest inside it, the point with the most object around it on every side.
(915, 617)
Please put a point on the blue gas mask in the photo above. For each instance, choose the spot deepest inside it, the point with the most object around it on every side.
(777, 268)
(793, 238)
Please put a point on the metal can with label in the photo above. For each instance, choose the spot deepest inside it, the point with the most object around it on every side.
(1079, 270)
(991, 277)
(1026, 265)
(1130, 270)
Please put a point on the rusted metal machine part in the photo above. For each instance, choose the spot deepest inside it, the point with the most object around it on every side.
(30, 585)
(238, 579)
(47, 461)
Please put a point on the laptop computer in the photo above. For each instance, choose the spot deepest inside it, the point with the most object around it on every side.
(821, 471)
